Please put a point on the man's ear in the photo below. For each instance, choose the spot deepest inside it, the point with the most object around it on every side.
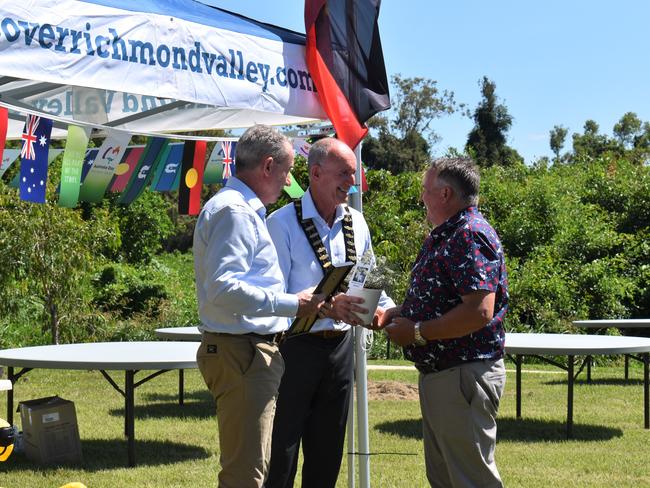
(267, 165)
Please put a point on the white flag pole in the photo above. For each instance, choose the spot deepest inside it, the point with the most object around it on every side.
(363, 444)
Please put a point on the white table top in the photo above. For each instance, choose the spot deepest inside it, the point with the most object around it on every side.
(574, 344)
(516, 343)
(179, 333)
(618, 323)
(104, 355)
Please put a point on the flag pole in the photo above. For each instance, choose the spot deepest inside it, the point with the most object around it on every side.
(361, 377)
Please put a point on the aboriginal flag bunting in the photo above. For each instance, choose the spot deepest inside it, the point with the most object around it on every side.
(191, 182)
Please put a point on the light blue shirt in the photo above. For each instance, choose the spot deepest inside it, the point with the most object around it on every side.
(239, 285)
(298, 262)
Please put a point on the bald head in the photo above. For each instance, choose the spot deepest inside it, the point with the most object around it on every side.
(327, 149)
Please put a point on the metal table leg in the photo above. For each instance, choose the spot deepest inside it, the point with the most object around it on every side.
(646, 391)
(181, 386)
(518, 384)
(569, 414)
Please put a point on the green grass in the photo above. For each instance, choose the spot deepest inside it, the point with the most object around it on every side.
(177, 446)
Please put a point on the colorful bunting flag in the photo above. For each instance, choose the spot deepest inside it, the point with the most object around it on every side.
(124, 170)
(33, 167)
(144, 169)
(168, 172)
(73, 160)
(221, 163)
(89, 160)
(99, 176)
(51, 156)
(189, 190)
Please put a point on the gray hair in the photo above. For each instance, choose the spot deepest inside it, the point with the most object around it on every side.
(462, 174)
(319, 151)
(258, 143)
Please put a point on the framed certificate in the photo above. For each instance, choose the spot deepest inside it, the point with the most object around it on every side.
(329, 285)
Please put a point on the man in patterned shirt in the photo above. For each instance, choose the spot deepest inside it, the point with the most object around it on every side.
(451, 327)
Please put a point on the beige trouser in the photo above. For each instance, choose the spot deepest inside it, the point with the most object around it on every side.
(243, 373)
(459, 409)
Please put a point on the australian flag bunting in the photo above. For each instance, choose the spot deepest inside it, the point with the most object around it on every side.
(33, 167)
(228, 148)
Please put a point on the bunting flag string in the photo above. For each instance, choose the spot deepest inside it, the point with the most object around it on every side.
(168, 173)
(124, 170)
(33, 167)
(143, 171)
(189, 189)
(71, 168)
(100, 174)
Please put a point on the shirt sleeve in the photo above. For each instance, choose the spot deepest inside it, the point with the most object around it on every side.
(473, 262)
(231, 242)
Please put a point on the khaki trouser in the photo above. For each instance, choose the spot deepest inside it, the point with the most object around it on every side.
(243, 373)
(459, 409)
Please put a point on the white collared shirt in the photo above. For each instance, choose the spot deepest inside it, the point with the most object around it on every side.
(299, 265)
(239, 285)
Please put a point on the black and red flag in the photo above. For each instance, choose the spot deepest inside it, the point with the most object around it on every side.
(346, 62)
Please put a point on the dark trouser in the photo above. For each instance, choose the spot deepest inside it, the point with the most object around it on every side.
(313, 407)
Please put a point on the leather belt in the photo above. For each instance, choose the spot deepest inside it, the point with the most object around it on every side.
(276, 338)
(439, 366)
(272, 338)
(329, 334)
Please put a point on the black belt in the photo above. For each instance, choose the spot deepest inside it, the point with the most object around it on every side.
(439, 366)
(329, 334)
(276, 338)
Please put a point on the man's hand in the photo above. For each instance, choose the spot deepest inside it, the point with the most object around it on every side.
(308, 303)
(343, 307)
(383, 317)
(401, 331)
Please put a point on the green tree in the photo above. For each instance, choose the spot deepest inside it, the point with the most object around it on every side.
(628, 128)
(46, 252)
(592, 144)
(557, 137)
(486, 142)
(405, 134)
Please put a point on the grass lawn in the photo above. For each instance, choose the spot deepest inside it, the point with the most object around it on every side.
(177, 446)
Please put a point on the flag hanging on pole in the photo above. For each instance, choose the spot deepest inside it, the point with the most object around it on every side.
(189, 190)
(346, 62)
(33, 166)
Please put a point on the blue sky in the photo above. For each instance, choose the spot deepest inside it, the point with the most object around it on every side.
(553, 62)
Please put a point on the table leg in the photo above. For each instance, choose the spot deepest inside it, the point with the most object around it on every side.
(10, 396)
(518, 384)
(646, 391)
(569, 414)
(181, 389)
(589, 362)
(627, 366)
(129, 419)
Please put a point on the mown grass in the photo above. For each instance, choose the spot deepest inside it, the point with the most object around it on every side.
(177, 447)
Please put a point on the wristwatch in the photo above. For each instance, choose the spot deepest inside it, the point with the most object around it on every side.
(419, 340)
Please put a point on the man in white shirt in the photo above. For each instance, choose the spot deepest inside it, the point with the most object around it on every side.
(243, 304)
(317, 383)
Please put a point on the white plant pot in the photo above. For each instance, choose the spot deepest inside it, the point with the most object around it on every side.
(371, 300)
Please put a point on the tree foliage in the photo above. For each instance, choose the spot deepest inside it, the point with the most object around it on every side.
(557, 137)
(486, 142)
(405, 134)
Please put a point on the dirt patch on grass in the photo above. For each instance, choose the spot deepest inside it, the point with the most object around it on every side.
(392, 390)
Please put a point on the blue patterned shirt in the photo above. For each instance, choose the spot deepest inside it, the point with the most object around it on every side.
(460, 256)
